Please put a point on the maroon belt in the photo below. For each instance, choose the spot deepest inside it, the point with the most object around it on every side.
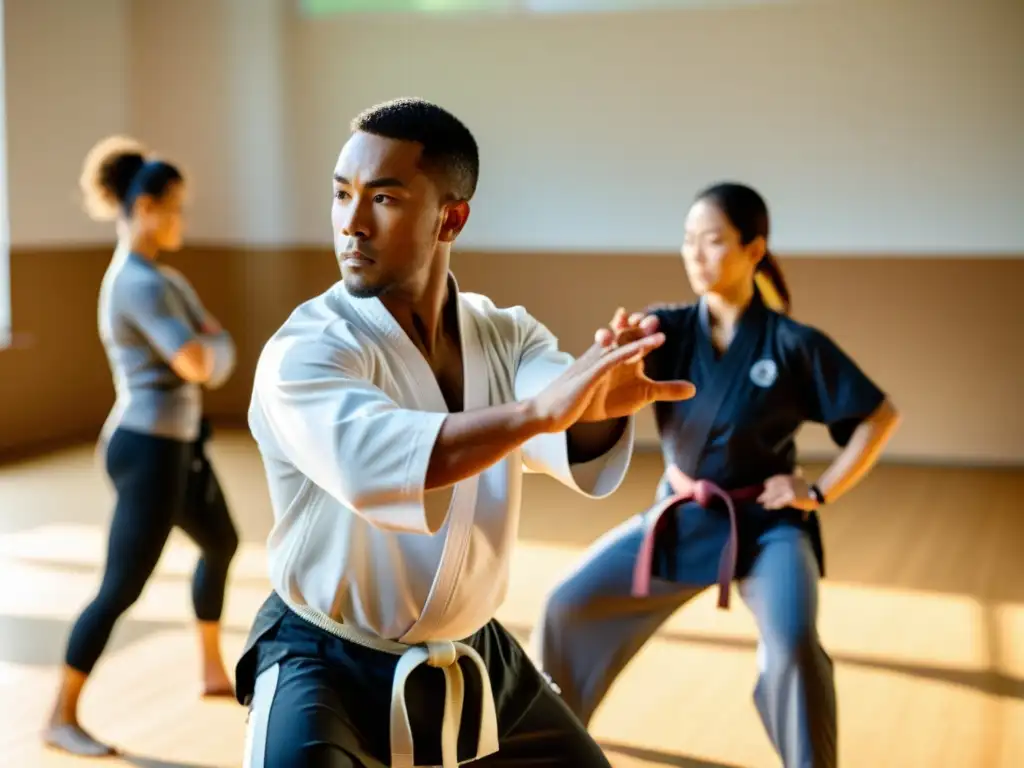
(703, 492)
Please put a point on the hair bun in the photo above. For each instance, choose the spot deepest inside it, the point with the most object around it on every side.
(107, 175)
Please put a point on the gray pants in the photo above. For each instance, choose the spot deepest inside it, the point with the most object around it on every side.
(592, 627)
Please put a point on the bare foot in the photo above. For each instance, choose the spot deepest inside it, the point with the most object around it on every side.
(217, 685)
(70, 737)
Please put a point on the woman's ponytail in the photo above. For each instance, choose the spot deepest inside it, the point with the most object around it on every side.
(772, 285)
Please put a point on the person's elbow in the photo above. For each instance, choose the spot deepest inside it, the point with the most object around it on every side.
(224, 357)
(885, 419)
(193, 362)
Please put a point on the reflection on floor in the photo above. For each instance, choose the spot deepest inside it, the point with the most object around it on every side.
(923, 612)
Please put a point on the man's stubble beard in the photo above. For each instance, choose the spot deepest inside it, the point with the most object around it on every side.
(361, 291)
(357, 290)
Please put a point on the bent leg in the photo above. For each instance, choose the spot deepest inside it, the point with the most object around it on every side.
(206, 520)
(137, 536)
(297, 720)
(795, 693)
(592, 626)
(148, 475)
(548, 734)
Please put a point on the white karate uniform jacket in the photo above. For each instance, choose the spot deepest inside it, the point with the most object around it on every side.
(345, 411)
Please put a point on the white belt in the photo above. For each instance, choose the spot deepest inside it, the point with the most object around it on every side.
(443, 654)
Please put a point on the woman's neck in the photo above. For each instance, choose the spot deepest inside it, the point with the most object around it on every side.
(726, 307)
(143, 246)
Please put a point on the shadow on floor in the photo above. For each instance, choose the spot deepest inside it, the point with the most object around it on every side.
(153, 762)
(96, 571)
(987, 681)
(40, 642)
(661, 758)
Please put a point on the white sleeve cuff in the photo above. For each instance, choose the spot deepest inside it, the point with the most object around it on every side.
(598, 478)
(407, 511)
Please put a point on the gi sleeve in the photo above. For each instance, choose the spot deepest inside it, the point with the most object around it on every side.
(838, 393)
(314, 400)
(539, 362)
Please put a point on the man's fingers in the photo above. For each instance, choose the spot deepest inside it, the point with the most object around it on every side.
(626, 328)
(649, 324)
(639, 325)
(673, 390)
(627, 352)
(593, 353)
(619, 320)
(628, 336)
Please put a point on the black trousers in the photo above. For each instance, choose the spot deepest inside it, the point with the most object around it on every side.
(317, 701)
(160, 483)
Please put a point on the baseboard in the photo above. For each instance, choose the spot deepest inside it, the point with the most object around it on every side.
(649, 445)
(18, 452)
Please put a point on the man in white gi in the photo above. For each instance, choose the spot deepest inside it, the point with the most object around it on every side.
(394, 415)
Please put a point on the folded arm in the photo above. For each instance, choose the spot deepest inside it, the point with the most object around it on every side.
(202, 358)
(217, 345)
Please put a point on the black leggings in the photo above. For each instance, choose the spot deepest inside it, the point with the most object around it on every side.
(160, 483)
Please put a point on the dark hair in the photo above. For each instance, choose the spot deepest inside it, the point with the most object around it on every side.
(117, 172)
(747, 211)
(448, 145)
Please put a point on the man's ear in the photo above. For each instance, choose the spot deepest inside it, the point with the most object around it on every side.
(455, 217)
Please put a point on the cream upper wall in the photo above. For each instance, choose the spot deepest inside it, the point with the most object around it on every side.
(208, 87)
(870, 126)
(66, 67)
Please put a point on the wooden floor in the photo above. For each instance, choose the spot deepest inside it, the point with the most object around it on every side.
(923, 612)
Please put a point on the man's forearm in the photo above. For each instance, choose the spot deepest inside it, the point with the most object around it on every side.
(471, 441)
(590, 440)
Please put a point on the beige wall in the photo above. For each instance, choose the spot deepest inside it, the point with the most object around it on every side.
(888, 128)
(885, 135)
(940, 336)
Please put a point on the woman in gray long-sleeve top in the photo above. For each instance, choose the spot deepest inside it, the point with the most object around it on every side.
(163, 348)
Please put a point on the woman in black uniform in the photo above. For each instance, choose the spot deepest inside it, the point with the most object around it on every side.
(733, 503)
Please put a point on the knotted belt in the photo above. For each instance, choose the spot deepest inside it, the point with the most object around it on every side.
(443, 654)
(704, 492)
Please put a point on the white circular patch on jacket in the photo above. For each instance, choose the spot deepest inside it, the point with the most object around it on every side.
(764, 373)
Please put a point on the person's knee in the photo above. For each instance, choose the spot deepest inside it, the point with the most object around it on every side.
(228, 546)
(119, 594)
(565, 605)
(221, 552)
(287, 753)
(297, 720)
(794, 644)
